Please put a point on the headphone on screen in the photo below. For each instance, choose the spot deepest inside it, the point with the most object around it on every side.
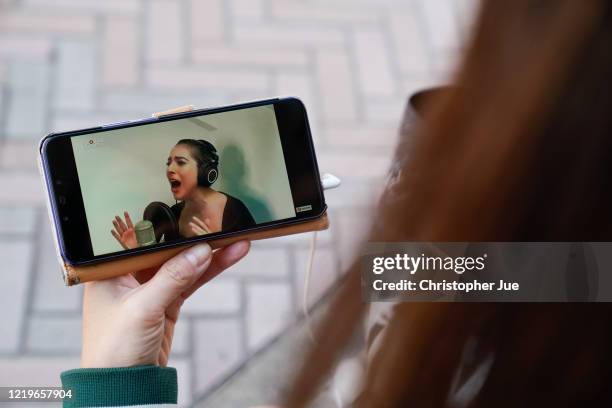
(208, 171)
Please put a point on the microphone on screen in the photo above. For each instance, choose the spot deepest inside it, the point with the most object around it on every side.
(145, 234)
(164, 221)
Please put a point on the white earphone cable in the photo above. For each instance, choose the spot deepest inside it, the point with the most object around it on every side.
(313, 244)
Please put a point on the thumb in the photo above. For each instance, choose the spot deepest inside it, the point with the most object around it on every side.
(176, 275)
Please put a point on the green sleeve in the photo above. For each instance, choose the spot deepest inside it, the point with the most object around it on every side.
(103, 387)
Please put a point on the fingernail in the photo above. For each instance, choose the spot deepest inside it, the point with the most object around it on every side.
(238, 249)
(198, 254)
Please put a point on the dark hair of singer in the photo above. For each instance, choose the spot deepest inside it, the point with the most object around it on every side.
(520, 149)
(201, 150)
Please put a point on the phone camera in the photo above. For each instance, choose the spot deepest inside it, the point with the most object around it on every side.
(65, 218)
(62, 200)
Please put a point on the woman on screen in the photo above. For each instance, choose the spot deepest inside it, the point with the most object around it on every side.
(191, 170)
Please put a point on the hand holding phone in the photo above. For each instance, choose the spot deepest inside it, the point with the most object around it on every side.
(129, 320)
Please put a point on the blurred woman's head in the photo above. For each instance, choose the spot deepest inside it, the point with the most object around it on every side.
(520, 149)
(191, 164)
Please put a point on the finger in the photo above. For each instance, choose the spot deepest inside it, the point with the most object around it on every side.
(206, 225)
(118, 238)
(118, 225)
(201, 224)
(222, 259)
(120, 221)
(128, 220)
(173, 278)
(196, 230)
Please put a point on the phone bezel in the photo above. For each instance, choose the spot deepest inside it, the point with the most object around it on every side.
(58, 164)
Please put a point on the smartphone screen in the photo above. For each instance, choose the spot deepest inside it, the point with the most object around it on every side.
(137, 186)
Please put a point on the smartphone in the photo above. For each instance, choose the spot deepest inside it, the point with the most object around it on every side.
(133, 187)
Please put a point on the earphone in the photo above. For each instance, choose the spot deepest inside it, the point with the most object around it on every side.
(208, 171)
(328, 182)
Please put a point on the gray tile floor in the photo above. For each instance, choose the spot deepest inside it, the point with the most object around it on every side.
(75, 63)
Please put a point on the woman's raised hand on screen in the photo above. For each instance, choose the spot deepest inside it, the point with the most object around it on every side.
(199, 227)
(124, 232)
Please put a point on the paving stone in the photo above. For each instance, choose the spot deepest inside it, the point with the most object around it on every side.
(28, 87)
(351, 234)
(16, 258)
(372, 56)
(336, 86)
(47, 23)
(21, 188)
(268, 312)
(287, 35)
(17, 220)
(446, 63)
(387, 112)
(30, 48)
(54, 335)
(217, 296)
(366, 136)
(19, 155)
(263, 56)
(322, 13)
(164, 32)
(261, 263)
(354, 193)
(32, 76)
(302, 240)
(181, 338)
(218, 351)
(440, 23)
(75, 76)
(412, 84)
(142, 103)
(248, 9)
(50, 293)
(84, 6)
(121, 51)
(26, 116)
(35, 371)
(72, 121)
(183, 374)
(220, 79)
(410, 48)
(323, 276)
(351, 167)
(208, 21)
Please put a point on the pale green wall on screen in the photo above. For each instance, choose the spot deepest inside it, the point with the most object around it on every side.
(125, 170)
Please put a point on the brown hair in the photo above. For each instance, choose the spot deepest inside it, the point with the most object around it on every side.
(519, 149)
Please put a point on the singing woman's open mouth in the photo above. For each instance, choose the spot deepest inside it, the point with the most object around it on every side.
(175, 184)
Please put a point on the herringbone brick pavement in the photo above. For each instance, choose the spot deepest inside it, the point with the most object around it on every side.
(66, 64)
